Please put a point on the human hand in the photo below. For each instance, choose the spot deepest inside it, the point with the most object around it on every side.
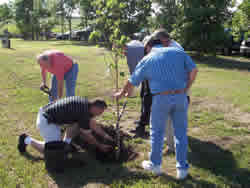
(109, 138)
(118, 95)
(105, 148)
(43, 86)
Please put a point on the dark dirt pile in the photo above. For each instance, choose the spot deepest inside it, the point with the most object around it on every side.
(127, 153)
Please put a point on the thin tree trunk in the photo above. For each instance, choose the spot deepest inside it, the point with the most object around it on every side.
(70, 27)
(117, 84)
(117, 108)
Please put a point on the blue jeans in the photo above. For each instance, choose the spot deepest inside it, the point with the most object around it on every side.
(176, 106)
(70, 82)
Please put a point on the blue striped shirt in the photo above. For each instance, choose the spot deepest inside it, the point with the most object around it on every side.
(166, 69)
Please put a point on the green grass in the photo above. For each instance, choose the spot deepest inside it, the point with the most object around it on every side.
(12, 28)
(219, 123)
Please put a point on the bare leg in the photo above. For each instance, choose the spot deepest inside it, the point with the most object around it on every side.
(37, 145)
(71, 132)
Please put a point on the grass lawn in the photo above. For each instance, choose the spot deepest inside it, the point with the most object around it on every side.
(219, 123)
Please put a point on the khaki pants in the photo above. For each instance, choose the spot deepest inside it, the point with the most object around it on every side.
(170, 135)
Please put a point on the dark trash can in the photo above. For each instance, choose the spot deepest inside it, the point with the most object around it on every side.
(5, 42)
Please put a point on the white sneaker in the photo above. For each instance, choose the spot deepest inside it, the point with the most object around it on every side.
(148, 165)
(181, 174)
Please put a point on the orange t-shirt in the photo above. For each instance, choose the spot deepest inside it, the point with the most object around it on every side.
(60, 64)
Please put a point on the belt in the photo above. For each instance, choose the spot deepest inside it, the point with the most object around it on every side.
(178, 91)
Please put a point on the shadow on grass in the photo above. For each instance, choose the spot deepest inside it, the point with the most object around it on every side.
(89, 171)
(94, 174)
(220, 162)
(220, 62)
(189, 182)
(31, 157)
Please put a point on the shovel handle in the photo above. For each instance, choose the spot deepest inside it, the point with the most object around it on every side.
(46, 90)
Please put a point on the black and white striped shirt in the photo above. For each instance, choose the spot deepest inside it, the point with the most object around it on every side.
(68, 110)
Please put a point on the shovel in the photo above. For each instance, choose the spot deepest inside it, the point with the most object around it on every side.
(46, 90)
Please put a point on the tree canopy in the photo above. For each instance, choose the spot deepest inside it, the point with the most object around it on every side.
(241, 20)
(115, 18)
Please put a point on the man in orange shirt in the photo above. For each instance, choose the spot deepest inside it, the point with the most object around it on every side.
(63, 68)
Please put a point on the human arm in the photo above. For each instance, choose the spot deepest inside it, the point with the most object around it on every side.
(191, 78)
(126, 91)
(60, 88)
(98, 130)
(44, 78)
(90, 139)
(135, 79)
(191, 71)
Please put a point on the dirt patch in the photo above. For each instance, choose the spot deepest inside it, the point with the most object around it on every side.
(231, 112)
(127, 152)
(224, 142)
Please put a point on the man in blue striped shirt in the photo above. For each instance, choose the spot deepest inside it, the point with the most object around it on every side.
(170, 72)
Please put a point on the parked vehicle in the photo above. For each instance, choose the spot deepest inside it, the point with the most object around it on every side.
(83, 34)
(245, 47)
(65, 36)
(62, 36)
(231, 44)
(48, 35)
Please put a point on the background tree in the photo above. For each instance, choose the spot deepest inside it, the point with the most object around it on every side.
(169, 14)
(23, 17)
(203, 28)
(123, 17)
(6, 14)
(166, 14)
(60, 13)
(178, 26)
(31, 16)
(65, 9)
(241, 20)
(44, 17)
(87, 12)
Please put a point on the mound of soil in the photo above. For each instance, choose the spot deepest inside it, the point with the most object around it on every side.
(127, 153)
